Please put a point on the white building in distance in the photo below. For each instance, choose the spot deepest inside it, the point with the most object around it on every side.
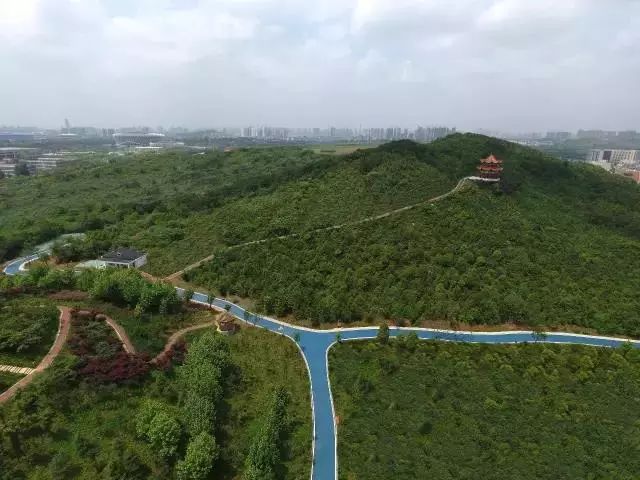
(613, 157)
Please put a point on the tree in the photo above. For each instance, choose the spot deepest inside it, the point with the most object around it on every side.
(411, 342)
(538, 333)
(265, 451)
(210, 299)
(202, 452)
(199, 414)
(201, 378)
(164, 434)
(338, 338)
(124, 464)
(148, 410)
(22, 169)
(188, 295)
(383, 334)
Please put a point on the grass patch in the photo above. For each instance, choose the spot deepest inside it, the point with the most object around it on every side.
(462, 411)
(28, 327)
(273, 360)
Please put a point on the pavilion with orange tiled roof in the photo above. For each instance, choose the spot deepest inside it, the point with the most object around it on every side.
(490, 168)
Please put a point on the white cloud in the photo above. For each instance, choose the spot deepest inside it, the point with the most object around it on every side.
(229, 61)
(18, 20)
(508, 11)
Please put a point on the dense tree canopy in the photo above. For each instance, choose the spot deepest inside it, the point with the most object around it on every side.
(555, 243)
(449, 411)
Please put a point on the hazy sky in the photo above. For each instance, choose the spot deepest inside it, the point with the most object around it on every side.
(515, 65)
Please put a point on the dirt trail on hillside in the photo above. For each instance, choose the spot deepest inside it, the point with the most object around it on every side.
(373, 218)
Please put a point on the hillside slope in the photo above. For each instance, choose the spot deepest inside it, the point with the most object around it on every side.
(556, 243)
(559, 244)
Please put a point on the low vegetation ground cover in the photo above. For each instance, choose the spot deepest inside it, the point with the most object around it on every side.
(28, 327)
(412, 409)
(7, 379)
(149, 311)
(148, 332)
(67, 425)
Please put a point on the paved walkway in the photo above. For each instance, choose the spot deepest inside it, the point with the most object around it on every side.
(61, 338)
(173, 339)
(121, 333)
(315, 345)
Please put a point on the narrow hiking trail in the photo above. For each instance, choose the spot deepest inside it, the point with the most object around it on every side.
(175, 337)
(61, 338)
(353, 223)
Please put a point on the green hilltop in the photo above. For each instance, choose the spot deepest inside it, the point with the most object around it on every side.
(556, 243)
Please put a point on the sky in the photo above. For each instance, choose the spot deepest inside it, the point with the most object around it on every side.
(509, 65)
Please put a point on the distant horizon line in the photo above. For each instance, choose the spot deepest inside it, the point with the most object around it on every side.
(481, 130)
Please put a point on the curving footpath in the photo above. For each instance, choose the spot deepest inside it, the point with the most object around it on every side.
(19, 264)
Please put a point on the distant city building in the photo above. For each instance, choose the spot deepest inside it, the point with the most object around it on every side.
(628, 136)
(50, 161)
(136, 139)
(8, 168)
(613, 157)
(429, 134)
(12, 136)
(558, 136)
(11, 157)
(599, 135)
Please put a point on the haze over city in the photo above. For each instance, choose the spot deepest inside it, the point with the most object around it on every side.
(513, 65)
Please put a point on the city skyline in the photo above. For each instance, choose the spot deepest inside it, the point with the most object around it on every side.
(507, 65)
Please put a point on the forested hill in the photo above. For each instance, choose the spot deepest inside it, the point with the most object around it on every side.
(555, 243)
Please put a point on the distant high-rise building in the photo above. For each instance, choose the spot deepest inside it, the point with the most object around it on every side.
(429, 134)
(601, 135)
(558, 136)
(629, 136)
(615, 157)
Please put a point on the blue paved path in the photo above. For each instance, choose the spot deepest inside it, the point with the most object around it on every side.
(13, 267)
(315, 344)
